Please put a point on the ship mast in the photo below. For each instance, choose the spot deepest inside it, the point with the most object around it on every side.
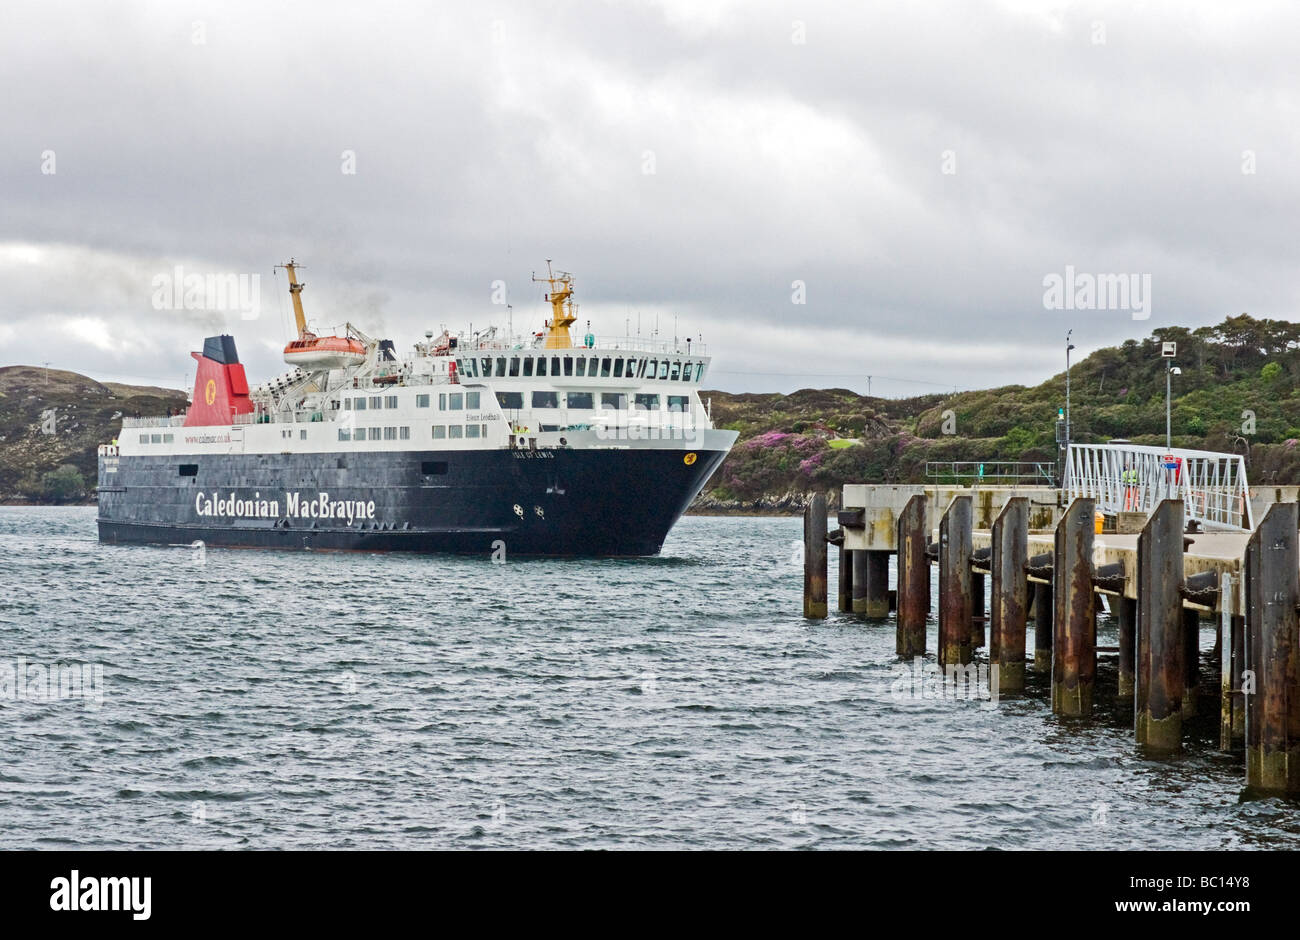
(295, 291)
(563, 314)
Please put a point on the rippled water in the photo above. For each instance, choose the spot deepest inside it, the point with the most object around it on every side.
(266, 700)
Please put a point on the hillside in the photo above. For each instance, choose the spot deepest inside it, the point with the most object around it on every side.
(84, 414)
(1237, 392)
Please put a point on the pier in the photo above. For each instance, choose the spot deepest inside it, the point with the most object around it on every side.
(1007, 556)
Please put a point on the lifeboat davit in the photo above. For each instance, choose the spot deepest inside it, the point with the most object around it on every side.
(324, 352)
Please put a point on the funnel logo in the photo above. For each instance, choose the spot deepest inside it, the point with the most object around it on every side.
(210, 393)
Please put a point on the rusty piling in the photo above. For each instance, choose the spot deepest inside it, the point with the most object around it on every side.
(1272, 594)
(1009, 597)
(1160, 672)
(844, 592)
(814, 557)
(1074, 643)
(913, 578)
(954, 583)
(859, 582)
(877, 599)
(1128, 607)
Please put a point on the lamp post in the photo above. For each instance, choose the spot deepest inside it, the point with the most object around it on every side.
(1068, 347)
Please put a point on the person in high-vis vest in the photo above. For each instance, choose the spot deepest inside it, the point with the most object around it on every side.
(1130, 480)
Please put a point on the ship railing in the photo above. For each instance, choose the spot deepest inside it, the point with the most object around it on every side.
(175, 421)
(626, 343)
(108, 450)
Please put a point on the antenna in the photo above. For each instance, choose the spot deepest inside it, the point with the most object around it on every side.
(47, 373)
(510, 315)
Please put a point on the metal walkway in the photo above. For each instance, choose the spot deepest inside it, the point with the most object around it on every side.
(1211, 485)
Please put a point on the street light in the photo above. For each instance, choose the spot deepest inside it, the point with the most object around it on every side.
(1068, 347)
(1167, 353)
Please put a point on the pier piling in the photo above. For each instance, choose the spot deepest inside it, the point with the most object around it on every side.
(844, 592)
(1043, 628)
(814, 557)
(876, 601)
(1127, 608)
(1272, 594)
(859, 582)
(978, 609)
(954, 583)
(913, 578)
(1158, 690)
(1009, 594)
(1074, 645)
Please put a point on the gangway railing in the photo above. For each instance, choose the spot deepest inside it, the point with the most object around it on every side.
(1135, 478)
(1002, 472)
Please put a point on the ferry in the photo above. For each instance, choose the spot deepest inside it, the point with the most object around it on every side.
(479, 443)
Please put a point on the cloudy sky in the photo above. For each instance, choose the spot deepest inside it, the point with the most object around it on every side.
(911, 172)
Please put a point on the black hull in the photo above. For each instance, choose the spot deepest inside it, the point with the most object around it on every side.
(592, 502)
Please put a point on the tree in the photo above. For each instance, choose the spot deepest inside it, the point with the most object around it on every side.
(63, 484)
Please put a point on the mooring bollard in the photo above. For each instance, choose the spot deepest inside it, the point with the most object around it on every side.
(877, 600)
(1158, 690)
(954, 583)
(1128, 607)
(1074, 645)
(913, 578)
(1273, 711)
(814, 557)
(1009, 599)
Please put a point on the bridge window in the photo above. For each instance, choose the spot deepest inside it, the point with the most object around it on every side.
(592, 368)
(514, 367)
(663, 369)
(541, 365)
(647, 402)
(486, 362)
(512, 400)
(528, 366)
(546, 400)
(677, 372)
(579, 400)
(686, 372)
(568, 365)
(555, 365)
(501, 366)
(604, 369)
(615, 400)
(699, 372)
(678, 403)
(654, 366)
(631, 368)
(618, 368)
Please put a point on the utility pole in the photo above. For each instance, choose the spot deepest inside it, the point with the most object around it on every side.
(868, 386)
(47, 373)
(1169, 372)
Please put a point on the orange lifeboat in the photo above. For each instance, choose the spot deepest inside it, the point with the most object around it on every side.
(324, 352)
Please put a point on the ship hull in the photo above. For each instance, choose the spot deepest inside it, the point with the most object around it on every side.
(558, 501)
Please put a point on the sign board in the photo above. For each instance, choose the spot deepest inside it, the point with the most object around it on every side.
(1168, 350)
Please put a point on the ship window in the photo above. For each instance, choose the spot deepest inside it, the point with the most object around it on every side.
(486, 362)
(390, 434)
(472, 400)
(579, 400)
(302, 435)
(345, 434)
(471, 430)
(648, 402)
(678, 403)
(568, 365)
(528, 366)
(617, 400)
(514, 366)
(677, 371)
(390, 401)
(483, 428)
(555, 365)
(546, 400)
(510, 399)
(404, 433)
(663, 369)
(361, 404)
(501, 366)
(686, 372)
(455, 431)
(604, 369)
(374, 434)
(631, 368)
(189, 469)
(167, 438)
(654, 365)
(432, 468)
(439, 431)
(421, 401)
(376, 402)
(442, 401)
(699, 371)
(347, 404)
(155, 439)
(541, 365)
(582, 367)
(592, 368)
(144, 438)
(618, 368)
(456, 400)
